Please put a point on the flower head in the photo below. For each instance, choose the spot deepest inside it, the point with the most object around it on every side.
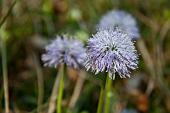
(111, 51)
(121, 19)
(64, 50)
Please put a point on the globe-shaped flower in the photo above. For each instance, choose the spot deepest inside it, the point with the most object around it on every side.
(111, 51)
(64, 50)
(121, 19)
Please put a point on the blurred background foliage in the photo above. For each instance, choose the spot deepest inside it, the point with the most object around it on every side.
(31, 24)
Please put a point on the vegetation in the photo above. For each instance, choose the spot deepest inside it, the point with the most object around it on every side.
(26, 26)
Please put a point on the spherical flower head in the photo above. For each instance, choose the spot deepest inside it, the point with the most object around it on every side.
(112, 51)
(121, 19)
(64, 50)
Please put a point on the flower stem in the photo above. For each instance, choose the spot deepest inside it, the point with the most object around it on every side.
(54, 94)
(108, 94)
(61, 88)
(101, 99)
(5, 75)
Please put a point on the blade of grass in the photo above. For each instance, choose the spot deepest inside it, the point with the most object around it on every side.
(77, 89)
(53, 98)
(4, 59)
(149, 63)
(5, 75)
(40, 81)
(8, 13)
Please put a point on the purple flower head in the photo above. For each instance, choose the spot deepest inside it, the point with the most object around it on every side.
(121, 19)
(112, 51)
(64, 50)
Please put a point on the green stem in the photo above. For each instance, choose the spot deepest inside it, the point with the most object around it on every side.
(108, 94)
(5, 75)
(61, 88)
(101, 99)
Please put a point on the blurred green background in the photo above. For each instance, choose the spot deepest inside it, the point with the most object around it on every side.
(31, 24)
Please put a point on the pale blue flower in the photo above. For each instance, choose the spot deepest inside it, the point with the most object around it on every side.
(112, 51)
(121, 19)
(64, 50)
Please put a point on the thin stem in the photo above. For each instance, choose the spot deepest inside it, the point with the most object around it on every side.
(4, 61)
(101, 100)
(146, 56)
(40, 81)
(108, 94)
(77, 89)
(60, 93)
(54, 94)
(8, 13)
(5, 75)
(149, 63)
